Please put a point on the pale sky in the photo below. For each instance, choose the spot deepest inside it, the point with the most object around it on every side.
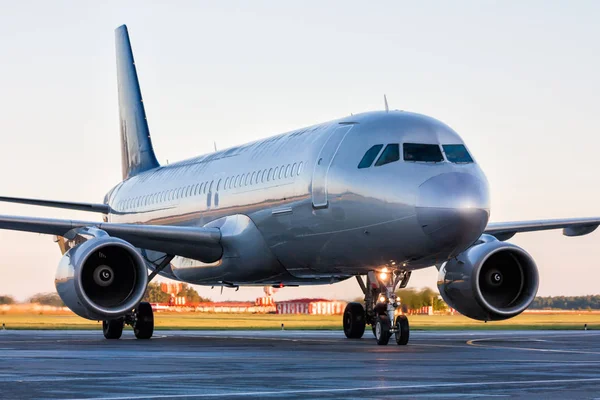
(518, 80)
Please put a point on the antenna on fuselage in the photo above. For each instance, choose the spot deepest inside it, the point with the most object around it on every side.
(215, 143)
(387, 109)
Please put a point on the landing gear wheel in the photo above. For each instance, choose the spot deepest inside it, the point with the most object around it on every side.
(373, 329)
(382, 330)
(402, 330)
(143, 327)
(113, 328)
(354, 321)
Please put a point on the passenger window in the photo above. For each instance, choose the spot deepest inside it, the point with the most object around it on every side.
(218, 185)
(211, 187)
(270, 176)
(422, 152)
(294, 169)
(247, 179)
(390, 154)
(369, 156)
(287, 170)
(300, 168)
(457, 153)
(253, 177)
(281, 171)
(275, 173)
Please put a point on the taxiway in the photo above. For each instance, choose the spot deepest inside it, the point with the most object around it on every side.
(299, 364)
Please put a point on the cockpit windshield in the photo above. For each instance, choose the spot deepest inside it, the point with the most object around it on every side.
(457, 153)
(422, 152)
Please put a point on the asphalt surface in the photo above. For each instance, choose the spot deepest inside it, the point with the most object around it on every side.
(299, 365)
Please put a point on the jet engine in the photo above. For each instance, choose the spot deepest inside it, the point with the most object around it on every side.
(490, 281)
(102, 278)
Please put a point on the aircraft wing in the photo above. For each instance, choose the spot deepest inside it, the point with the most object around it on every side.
(570, 227)
(69, 205)
(199, 243)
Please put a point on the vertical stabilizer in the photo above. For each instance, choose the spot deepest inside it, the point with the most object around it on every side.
(137, 154)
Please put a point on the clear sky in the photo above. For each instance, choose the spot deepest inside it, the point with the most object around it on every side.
(519, 80)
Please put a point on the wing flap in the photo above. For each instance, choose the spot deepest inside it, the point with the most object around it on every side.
(198, 243)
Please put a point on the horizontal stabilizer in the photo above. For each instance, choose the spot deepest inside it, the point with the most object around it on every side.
(69, 205)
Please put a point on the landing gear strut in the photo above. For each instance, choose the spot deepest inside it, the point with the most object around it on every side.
(141, 319)
(381, 303)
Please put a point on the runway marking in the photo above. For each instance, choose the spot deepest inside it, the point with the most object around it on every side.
(475, 343)
(98, 378)
(346, 390)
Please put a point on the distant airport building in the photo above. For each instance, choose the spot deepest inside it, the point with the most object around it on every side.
(425, 310)
(311, 307)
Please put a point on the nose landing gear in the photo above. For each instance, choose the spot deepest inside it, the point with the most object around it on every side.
(381, 303)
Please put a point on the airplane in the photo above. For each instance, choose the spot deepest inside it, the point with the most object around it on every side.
(373, 196)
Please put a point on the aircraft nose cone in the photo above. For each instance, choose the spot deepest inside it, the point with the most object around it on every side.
(453, 209)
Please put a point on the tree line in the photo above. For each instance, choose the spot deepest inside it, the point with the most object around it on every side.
(153, 295)
(590, 302)
(411, 299)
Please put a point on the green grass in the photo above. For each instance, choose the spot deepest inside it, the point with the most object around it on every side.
(199, 321)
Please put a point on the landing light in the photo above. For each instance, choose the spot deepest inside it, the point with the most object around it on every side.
(383, 276)
(382, 299)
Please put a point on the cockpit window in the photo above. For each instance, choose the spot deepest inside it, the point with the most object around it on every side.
(390, 154)
(369, 156)
(422, 152)
(457, 153)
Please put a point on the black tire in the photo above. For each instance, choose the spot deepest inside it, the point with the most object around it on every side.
(113, 328)
(382, 330)
(402, 330)
(354, 321)
(144, 322)
(373, 329)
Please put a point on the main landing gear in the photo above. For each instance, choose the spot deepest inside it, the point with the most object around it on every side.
(381, 303)
(141, 319)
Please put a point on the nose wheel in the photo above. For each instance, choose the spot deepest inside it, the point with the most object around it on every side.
(382, 330)
(354, 321)
(380, 308)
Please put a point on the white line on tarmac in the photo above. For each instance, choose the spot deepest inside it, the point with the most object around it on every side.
(367, 389)
(479, 343)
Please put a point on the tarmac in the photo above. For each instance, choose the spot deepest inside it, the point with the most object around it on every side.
(299, 365)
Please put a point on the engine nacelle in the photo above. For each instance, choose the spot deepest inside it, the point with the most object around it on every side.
(102, 278)
(490, 281)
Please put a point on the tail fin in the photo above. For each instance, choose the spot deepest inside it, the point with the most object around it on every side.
(137, 154)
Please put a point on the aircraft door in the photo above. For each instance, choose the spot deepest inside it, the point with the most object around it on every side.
(324, 161)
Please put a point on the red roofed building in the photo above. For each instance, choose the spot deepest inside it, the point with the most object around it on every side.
(311, 306)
